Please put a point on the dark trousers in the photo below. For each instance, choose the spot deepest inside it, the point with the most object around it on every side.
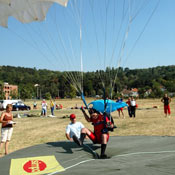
(129, 111)
(133, 110)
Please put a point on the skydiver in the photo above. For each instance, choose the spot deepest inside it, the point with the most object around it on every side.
(100, 134)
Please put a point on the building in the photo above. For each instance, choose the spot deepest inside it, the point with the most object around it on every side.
(127, 93)
(9, 90)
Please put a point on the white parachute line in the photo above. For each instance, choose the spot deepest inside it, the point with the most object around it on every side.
(115, 45)
(119, 31)
(139, 10)
(105, 39)
(122, 47)
(64, 49)
(77, 74)
(77, 77)
(44, 40)
(96, 38)
(81, 53)
(73, 79)
(33, 46)
(141, 33)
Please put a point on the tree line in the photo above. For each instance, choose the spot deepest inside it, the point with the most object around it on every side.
(53, 84)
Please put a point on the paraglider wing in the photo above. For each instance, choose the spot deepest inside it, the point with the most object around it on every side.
(111, 105)
(26, 11)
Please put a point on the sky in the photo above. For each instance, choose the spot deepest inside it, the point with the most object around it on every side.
(108, 39)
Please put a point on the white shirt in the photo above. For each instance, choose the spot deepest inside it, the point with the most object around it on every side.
(133, 102)
(74, 129)
(44, 105)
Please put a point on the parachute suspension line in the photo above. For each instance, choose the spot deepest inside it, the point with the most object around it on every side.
(78, 14)
(96, 36)
(121, 53)
(70, 75)
(116, 43)
(105, 39)
(118, 34)
(141, 33)
(75, 79)
(81, 53)
(33, 45)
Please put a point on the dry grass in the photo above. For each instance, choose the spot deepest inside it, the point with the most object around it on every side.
(36, 130)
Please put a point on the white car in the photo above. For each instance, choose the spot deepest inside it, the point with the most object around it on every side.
(4, 103)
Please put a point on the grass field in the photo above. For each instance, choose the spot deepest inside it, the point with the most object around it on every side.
(37, 130)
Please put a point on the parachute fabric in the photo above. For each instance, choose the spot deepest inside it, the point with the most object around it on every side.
(26, 11)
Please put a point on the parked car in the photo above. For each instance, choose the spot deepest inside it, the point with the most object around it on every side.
(20, 106)
(4, 103)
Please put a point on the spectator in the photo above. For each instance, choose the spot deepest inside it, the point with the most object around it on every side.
(34, 105)
(133, 107)
(166, 101)
(120, 110)
(44, 108)
(7, 127)
(129, 106)
(52, 106)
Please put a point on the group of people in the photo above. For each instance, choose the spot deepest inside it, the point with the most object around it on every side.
(102, 124)
(44, 107)
(131, 102)
(76, 131)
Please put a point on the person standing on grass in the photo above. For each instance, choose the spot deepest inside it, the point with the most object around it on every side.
(120, 100)
(52, 106)
(129, 106)
(7, 127)
(166, 101)
(133, 107)
(44, 108)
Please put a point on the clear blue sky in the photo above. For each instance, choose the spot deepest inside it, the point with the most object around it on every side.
(55, 43)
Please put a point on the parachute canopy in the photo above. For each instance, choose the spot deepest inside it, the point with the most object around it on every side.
(111, 105)
(26, 10)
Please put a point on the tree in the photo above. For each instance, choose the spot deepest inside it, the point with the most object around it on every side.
(2, 94)
(72, 92)
(14, 94)
(47, 96)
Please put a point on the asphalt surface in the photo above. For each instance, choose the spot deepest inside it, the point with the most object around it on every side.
(129, 155)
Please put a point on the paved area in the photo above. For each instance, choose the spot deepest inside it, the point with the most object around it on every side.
(130, 155)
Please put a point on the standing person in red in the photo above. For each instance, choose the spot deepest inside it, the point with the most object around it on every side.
(100, 134)
(166, 101)
(7, 127)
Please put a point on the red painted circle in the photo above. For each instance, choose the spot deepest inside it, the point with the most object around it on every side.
(34, 166)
